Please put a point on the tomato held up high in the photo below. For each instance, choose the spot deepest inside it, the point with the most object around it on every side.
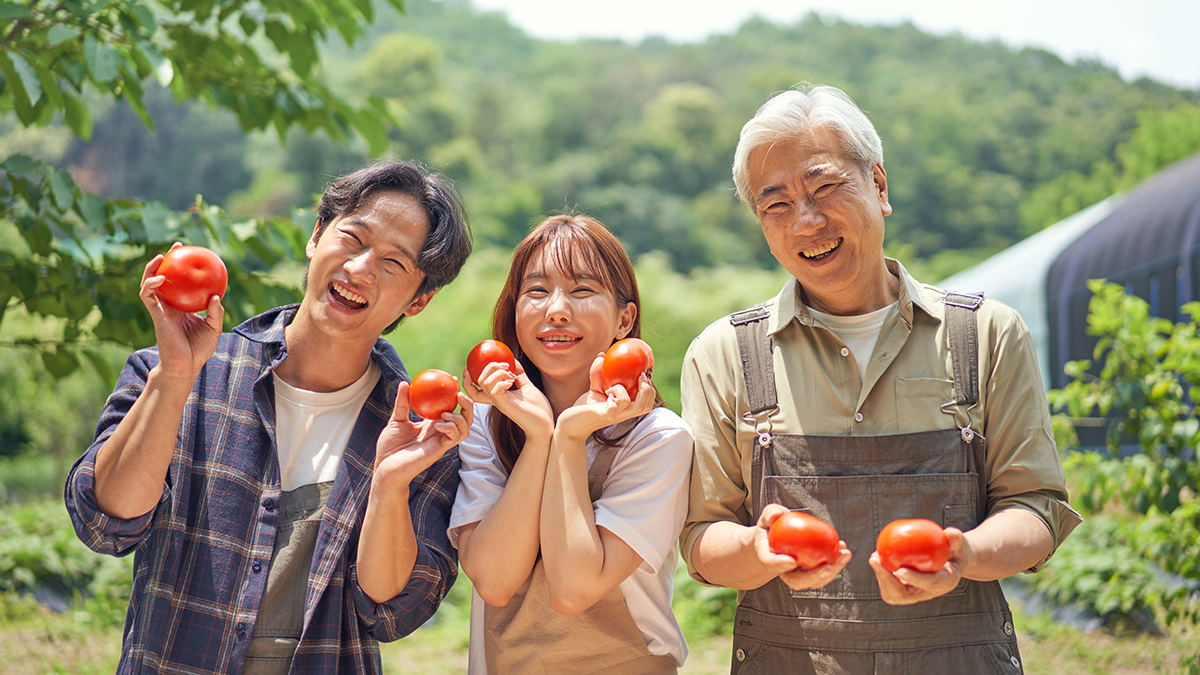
(624, 363)
(194, 274)
(915, 543)
(489, 351)
(433, 392)
(808, 539)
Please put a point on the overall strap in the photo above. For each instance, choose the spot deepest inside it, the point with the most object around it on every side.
(758, 367)
(598, 471)
(963, 329)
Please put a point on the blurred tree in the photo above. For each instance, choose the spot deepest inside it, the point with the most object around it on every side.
(77, 260)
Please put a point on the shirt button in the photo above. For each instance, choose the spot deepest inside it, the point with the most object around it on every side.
(845, 352)
(1008, 628)
(257, 566)
(858, 417)
(269, 504)
(741, 655)
(1016, 662)
(241, 630)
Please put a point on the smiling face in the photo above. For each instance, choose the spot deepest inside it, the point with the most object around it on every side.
(822, 216)
(363, 273)
(563, 321)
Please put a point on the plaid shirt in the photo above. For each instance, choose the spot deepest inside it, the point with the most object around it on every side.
(201, 556)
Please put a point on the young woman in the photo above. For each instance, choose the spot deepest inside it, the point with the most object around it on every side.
(570, 578)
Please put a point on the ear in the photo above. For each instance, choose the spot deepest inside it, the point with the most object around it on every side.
(419, 303)
(311, 247)
(625, 320)
(879, 177)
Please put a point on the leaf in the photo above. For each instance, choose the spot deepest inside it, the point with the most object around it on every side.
(27, 77)
(59, 363)
(20, 164)
(60, 34)
(62, 188)
(163, 68)
(77, 115)
(369, 123)
(93, 210)
(9, 11)
(102, 58)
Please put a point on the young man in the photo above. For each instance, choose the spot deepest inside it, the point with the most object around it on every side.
(861, 396)
(284, 512)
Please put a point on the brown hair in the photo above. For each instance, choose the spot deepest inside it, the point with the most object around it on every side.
(572, 242)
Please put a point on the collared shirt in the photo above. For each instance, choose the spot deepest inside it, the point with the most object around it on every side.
(906, 382)
(201, 556)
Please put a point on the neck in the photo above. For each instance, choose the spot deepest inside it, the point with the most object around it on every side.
(563, 394)
(884, 292)
(317, 364)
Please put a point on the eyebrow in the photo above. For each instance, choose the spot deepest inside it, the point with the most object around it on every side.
(811, 173)
(542, 275)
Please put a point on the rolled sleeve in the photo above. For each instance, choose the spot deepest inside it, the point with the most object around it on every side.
(99, 531)
(436, 566)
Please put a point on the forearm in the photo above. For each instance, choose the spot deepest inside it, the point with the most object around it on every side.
(1008, 542)
(387, 549)
(725, 554)
(499, 553)
(572, 548)
(132, 465)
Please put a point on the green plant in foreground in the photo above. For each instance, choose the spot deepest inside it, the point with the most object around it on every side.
(1150, 379)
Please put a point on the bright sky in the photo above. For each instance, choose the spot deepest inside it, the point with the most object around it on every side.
(1160, 38)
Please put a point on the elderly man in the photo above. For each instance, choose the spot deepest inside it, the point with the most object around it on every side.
(284, 512)
(861, 396)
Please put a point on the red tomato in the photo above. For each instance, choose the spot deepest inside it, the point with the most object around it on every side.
(433, 392)
(624, 362)
(489, 351)
(916, 543)
(194, 274)
(808, 539)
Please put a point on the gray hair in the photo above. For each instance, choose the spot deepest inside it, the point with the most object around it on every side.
(798, 110)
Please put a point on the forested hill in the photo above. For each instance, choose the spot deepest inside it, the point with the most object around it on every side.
(642, 135)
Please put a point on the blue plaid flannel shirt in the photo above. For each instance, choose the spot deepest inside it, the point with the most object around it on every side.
(201, 556)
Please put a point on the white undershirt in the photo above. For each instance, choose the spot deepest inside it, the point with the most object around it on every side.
(312, 428)
(860, 332)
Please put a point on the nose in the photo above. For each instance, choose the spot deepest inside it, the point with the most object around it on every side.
(808, 216)
(361, 266)
(558, 307)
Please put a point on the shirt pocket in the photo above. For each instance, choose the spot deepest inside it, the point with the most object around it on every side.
(919, 403)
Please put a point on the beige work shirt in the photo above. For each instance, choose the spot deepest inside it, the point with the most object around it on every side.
(907, 381)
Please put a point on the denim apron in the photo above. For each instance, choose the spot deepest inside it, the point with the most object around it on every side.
(859, 484)
(528, 636)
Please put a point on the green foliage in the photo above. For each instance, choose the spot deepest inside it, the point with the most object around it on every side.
(702, 611)
(1161, 138)
(1097, 567)
(1148, 382)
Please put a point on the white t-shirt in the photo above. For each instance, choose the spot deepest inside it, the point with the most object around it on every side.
(645, 502)
(312, 428)
(860, 333)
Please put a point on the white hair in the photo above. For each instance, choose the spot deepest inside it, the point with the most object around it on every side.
(798, 110)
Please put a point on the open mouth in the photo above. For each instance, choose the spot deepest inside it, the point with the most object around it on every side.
(822, 251)
(346, 297)
(559, 339)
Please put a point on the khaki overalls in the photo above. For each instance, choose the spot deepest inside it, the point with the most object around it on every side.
(859, 484)
(528, 636)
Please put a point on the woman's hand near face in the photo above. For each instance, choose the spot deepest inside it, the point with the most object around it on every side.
(597, 409)
(514, 395)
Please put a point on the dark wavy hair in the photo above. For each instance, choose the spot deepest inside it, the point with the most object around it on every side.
(573, 243)
(448, 243)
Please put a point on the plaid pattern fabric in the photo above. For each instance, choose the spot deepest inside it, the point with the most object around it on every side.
(201, 556)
